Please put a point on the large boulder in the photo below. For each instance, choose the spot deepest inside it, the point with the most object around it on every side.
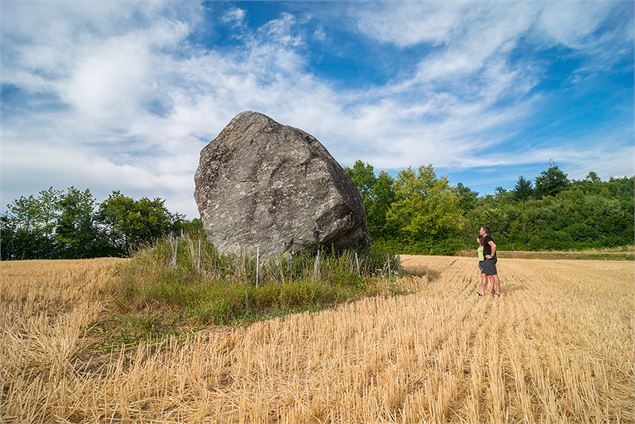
(260, 183)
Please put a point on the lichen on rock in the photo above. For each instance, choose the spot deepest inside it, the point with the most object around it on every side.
(261, 183)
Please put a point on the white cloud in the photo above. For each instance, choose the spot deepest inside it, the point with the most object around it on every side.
(111, 80)
(108, 136)
(40, 165)
(281, 31)
(468, 72)
(464, 36)
(485, 32)
(139, 101)
(235, 16)
(570, 23)
(408, 23)
(319, 34)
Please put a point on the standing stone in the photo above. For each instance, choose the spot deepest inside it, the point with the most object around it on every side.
(260, 183)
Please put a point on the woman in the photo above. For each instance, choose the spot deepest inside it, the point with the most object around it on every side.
(481, 260)
(489, 266)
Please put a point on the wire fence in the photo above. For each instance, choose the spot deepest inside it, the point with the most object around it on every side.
(252, 266)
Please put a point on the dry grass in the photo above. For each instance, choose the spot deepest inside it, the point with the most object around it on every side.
(557, 347)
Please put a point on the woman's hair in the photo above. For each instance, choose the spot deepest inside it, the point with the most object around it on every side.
(480, 240)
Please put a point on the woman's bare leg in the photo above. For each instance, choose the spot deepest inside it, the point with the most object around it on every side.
(482, 290)
(490, 284)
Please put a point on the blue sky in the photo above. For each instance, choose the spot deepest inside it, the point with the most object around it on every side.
(123, 95)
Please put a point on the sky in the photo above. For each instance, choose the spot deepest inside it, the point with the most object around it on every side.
(123, 95)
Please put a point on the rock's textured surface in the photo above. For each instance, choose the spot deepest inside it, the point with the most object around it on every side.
(260, 183)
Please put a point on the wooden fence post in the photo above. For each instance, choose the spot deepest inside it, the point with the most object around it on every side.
(257, 266)
(316, 267)
(388, 256)
(176, 251)
(198, 256)
(190, 245)
(357, 264)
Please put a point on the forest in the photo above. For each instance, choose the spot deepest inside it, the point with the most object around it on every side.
(73, 225)
(415, 211)
(419, 212)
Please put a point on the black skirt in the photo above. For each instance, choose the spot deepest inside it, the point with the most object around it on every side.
(489, 266)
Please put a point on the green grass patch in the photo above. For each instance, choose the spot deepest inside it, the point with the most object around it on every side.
(168, 290)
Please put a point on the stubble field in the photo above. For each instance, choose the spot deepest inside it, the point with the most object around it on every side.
(558, 346)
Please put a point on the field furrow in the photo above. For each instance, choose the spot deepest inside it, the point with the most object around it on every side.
(556, 347)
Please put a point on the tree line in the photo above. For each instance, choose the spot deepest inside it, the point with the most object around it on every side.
(414, 212)
(419, 212)
(72, 225)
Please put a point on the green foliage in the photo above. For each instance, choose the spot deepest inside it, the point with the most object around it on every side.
(76, 231)
(383, 195)
(425, 215)
(585, 214)
(416, 212)
(28, 228)
(420, 213)
(593, 177)
(377, 193)
(65, 225)
(467, 198)
(193, 227)
(52, 225)
(363, 176)
(181, 259)
(551, 181)
(130, 224)
(523, 189)
(170, 281)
